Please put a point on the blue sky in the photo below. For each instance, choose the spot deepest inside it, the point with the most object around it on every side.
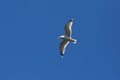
(29, 48)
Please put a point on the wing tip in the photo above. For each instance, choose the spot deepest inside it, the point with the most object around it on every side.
(71, 20)
(61, 54)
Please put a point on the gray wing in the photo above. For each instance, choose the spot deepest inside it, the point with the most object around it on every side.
(62, 46)
(67, 28)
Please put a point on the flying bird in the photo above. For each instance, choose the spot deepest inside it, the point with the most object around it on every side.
(66, 38)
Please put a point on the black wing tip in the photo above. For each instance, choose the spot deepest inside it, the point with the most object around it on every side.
(71, 20)
(61, 54)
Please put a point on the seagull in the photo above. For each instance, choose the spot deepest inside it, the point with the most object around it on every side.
(66, 38)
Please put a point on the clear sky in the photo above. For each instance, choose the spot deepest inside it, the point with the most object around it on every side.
(29, 48)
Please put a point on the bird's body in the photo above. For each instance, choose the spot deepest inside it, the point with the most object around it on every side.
(67, 37)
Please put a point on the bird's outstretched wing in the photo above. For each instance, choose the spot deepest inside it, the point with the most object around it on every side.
(62, 46)
(67, 28)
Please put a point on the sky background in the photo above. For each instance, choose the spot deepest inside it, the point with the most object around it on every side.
(29, 48)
